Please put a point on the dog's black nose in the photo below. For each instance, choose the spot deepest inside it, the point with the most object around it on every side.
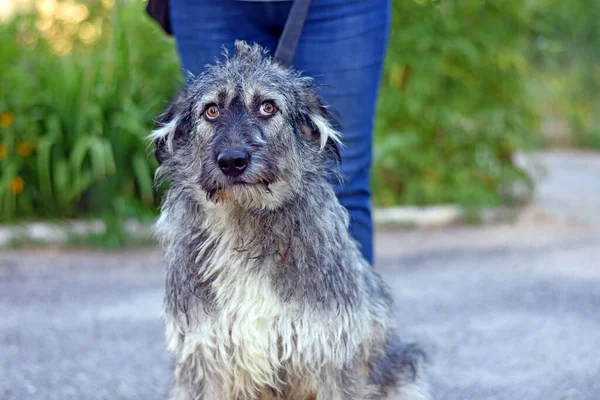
(234, 162)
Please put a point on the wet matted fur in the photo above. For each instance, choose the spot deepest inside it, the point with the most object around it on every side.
(267, 295)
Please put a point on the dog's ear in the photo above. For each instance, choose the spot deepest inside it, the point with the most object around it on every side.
(170, 126)
(318, 123)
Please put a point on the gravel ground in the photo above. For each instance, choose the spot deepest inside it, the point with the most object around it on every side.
(506, 311)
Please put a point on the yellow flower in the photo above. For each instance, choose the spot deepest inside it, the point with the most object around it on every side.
(17, 185)
(2, 151)
(88, 33)
(79, 12)
(23, 149)
(6, 118)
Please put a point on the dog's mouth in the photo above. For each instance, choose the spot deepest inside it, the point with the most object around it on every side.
(236, 189)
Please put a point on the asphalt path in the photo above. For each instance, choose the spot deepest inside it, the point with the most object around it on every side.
(509, 311)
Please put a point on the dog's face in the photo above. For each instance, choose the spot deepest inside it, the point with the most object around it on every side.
(245, 132)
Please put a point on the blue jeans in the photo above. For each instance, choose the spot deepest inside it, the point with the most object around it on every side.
(342, 47)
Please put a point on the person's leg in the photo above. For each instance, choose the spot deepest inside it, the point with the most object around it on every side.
(343, 46)
(203, 28)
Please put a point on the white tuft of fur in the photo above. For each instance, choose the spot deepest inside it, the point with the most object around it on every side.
(165, 133)
(326, 131)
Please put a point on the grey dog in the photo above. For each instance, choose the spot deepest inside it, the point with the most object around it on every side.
(267, 295)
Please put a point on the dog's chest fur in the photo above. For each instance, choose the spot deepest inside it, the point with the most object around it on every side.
(260, 313)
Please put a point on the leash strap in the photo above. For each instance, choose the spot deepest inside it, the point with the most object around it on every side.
(286, 48)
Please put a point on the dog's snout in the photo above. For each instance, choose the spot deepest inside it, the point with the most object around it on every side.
(233, 162)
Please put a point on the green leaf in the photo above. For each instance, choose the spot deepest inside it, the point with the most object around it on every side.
(143, 176)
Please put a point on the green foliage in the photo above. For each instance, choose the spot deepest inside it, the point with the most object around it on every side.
(565, 50)
(453, 107)
(76, 114)
(77, 99)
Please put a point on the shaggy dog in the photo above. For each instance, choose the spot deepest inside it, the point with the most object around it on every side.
(267, 295)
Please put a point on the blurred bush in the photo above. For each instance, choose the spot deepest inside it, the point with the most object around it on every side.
(82, 82)
(454, 107)
(80, 87)
(565, 52)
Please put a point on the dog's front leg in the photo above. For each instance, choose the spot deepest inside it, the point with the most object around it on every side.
(333, 389)
(174, 336)
(193, 383)
(188, 374)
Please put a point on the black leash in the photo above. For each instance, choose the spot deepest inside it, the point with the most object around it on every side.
(286, 48)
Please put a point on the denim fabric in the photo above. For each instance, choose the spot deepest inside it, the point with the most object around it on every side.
(342, 47)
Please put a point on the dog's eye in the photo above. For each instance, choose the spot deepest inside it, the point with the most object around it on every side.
(267, 108)
(212, 111)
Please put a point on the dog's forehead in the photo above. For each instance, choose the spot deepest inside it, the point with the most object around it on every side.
(250, 82)
(252, 91)
(246, 89)
(219, 91)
